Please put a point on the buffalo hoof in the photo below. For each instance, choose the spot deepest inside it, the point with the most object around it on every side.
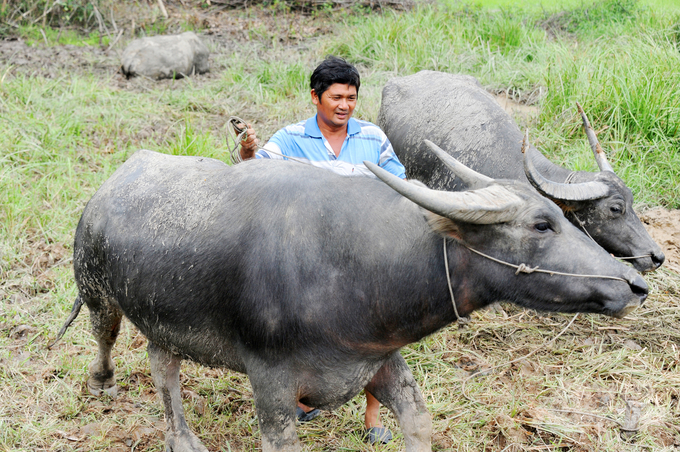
(183, 441)
(97, 388)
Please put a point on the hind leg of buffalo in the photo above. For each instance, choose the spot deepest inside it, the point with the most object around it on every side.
(165, 372)
(105, 319)
(394, 386)
(275, 401)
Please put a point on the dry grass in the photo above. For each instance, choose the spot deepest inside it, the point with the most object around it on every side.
(557, 399)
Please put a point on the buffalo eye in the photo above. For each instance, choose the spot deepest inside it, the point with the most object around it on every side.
(616, 210)
(543, 226)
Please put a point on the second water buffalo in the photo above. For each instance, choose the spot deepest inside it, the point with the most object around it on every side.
(457, 114)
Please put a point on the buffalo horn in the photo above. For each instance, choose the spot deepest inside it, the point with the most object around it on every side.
(600, 156)
(564, 192)
(472, 179)
(490, 205)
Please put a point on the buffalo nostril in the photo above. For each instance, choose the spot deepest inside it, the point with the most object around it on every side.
(658, 259)
(639, 287)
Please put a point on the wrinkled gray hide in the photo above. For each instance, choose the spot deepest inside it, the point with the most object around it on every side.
(311, 282)
(161, 57)
(454, 112)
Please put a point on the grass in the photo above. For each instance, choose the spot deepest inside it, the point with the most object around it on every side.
(37, 35)
(624, 73)
(65, 128)
(562, 5)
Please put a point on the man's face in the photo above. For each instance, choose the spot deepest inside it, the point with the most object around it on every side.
(336, 104)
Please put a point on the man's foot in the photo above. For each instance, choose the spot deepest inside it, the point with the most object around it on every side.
(378, 435)
(303, 416)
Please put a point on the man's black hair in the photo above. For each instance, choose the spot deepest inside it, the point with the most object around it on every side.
(333, 70)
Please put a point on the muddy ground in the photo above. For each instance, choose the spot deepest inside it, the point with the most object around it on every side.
(223, 31)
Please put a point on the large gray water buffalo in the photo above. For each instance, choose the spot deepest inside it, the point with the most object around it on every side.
(311, 282)
(455, 112)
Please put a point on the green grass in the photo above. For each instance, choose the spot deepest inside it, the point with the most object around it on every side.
(35, 35)
(622, 63)
(61, 136)
(561, 5)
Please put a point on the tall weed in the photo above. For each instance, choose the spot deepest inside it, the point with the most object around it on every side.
(629, 87)
(487, 44)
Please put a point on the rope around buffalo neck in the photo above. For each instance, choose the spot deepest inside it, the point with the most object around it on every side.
(521, 268)
(448, 280)
(524, 268)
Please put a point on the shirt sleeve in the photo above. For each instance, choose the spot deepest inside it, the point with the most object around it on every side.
(274, 149)
(389, 160)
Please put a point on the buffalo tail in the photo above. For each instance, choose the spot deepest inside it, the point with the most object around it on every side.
(74, 313)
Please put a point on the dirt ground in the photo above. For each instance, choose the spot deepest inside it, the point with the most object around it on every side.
(664, 227)
(223, 32)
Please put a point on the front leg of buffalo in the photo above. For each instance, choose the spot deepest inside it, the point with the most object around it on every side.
(395, 387)
(165, 372)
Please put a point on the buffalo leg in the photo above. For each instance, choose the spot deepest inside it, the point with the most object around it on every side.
(165, 373)
(275, 401)
(105, 319)
(395, 387)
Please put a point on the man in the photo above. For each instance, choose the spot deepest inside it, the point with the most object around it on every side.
(333, 140)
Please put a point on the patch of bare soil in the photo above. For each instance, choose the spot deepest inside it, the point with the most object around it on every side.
(47, 61)
(225, 32)
(664, 227)
(514, 108)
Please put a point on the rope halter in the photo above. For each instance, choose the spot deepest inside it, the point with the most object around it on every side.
(521, 268)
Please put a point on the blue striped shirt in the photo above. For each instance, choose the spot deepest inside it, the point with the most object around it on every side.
(305, 142)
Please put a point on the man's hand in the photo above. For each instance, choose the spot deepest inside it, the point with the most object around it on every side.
(249, 145)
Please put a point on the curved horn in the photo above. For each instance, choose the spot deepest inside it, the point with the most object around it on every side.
(490, 205)
(600, 156)
(470, 177)
(565, 192)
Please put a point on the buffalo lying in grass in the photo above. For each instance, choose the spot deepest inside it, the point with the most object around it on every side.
(455, 112)
(311, 282)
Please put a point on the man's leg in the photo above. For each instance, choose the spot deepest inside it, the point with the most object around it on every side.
(375, 432)
(372, 418)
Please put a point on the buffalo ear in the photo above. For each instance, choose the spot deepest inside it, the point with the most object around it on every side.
(567, 206)
(442, 225)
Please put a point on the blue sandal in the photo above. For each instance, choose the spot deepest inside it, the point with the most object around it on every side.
(378, 435)
(306, 417)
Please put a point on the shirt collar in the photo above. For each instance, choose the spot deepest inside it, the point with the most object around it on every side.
(312, 127)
